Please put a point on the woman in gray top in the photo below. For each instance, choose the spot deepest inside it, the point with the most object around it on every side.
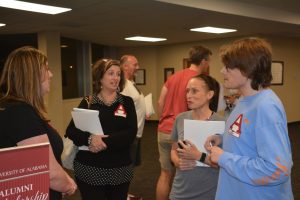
(192, 182)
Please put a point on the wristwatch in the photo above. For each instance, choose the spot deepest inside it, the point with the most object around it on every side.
(202, 158)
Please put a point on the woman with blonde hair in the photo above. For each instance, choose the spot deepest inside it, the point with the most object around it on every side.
(24, 81)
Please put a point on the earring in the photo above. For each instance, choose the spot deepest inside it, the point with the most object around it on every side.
(118, 89)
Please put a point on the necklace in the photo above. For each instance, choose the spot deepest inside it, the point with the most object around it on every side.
(107, 102)
(207, 118)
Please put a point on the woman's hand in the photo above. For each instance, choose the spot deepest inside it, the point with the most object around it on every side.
(189, 151)
(97, 143)
(72, 187)
(188, 155)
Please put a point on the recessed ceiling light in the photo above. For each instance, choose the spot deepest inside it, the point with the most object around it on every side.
(145, 39)
(33, 7)
(209, 29)
(63, 46)
(2, 24)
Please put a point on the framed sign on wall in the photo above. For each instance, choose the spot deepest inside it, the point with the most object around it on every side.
(140, 78)
(277, 72)
(168, 72)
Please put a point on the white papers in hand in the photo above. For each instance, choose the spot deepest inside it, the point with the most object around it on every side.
(197, 132)
(87, 120)
(149, 105)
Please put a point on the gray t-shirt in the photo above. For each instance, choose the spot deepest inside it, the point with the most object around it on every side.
(200, 182)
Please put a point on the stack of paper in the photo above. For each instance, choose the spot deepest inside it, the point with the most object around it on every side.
(87, 120)
(197, 132)
(149, 105)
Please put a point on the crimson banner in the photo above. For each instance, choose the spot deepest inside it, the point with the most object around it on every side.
(24, 172)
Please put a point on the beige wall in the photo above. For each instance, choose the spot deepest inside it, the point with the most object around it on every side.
(288, 51)
(155, 59)
(68, 106)
(59, 110)
(49, 43)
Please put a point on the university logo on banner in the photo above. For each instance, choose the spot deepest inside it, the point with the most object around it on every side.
(235, 128)
(24, 172)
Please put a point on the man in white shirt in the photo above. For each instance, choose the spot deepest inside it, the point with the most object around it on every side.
(130, 65)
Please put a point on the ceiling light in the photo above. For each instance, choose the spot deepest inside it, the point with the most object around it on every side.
(33, 7)
(209, 29)
(145, 39)
(2, 24)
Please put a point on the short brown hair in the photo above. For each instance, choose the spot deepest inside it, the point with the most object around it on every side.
(198, 53)
(22, 77)
(99, 69)
(253, 57)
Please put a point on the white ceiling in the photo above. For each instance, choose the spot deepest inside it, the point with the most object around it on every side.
(108, 22)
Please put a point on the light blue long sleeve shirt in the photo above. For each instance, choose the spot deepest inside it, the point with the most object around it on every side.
(257, 161)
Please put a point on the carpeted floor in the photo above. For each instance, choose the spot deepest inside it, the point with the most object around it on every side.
(146, 175)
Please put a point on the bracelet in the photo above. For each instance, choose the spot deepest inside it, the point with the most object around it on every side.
(90, 140)
(202, 158)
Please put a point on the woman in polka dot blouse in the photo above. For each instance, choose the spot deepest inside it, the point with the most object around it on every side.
(105, 171)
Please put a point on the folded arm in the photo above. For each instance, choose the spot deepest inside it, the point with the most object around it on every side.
(59, 180)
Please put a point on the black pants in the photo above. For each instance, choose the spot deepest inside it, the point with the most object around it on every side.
(107, 192)
(135, 152)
